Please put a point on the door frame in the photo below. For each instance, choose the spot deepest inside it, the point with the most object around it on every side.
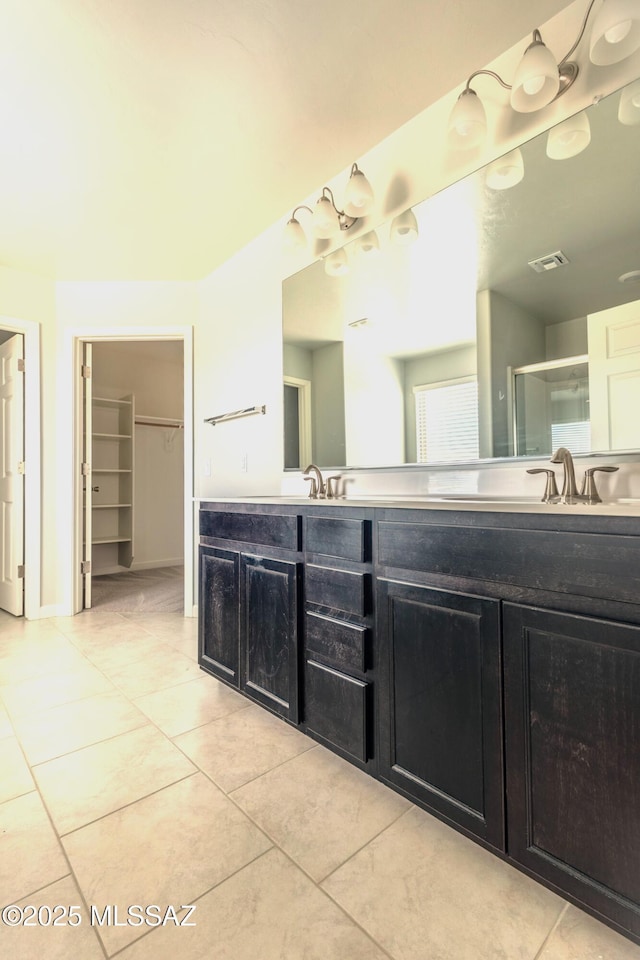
(73, 353)
(30, 330)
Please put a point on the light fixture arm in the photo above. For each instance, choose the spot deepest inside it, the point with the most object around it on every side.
(344, 220)
(580, 35)
(488, 73)
(568, 69)
(301, 206)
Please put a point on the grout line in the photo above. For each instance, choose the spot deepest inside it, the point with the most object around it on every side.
(551, 932)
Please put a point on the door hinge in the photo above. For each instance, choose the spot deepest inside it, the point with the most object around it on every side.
(21, 467)
(85, 566)
(20, 365)
(85, 372)
(21, 571)
(86, 469)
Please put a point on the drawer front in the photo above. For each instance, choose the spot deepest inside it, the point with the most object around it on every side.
(594, 565)
(336, 708)
(338, 589)
(336, 537)
(267, 529)
(342, 644)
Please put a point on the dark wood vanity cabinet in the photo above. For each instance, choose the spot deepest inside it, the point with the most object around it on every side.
(250, 607)
(484, 665)
(219, 613)
(337, 677)
(440, 703)
(572, 702)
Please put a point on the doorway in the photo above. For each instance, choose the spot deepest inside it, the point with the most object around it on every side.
(20, 467)
(134, 514)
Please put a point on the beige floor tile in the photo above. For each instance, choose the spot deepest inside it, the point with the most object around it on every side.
(166, 626)
(45, 941)
(71, 726)
(6, 729)
(420, 889)
(89, 621)
(31, 853)
(319, 809)
(242, 746)
(580, 937)
(25, 657)
(160, 669)
(117, 652)
(167, 849)
(192, 704)
(94, 781)
(39, 693)
(269, 910)
(15, 777)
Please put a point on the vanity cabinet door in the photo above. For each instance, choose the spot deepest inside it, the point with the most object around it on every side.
(218, 605)
(440, 704)
(269, 631)
(572, 724)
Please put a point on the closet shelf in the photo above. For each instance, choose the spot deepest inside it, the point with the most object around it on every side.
(111, 436)
(110, 470)
(111, 540)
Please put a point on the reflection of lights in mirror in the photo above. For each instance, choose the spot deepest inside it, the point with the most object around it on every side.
(404, 228)
(368, 244)
(569, 138)
(463, 300)
(506, 171)
(629, 109)
(539, 79)
(336, 264)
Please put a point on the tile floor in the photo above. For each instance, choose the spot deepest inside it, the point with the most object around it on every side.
(129, 777)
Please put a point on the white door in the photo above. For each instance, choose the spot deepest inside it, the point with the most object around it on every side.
(614, 377)
(12, 475)
(87, 492)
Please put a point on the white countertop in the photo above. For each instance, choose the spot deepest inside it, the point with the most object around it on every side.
(618, 508)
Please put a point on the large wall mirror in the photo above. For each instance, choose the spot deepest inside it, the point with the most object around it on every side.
(509, 326)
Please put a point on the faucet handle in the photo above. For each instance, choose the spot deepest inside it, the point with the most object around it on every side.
(589, 490)
(313, 490)
(333, 493)
(551, 494)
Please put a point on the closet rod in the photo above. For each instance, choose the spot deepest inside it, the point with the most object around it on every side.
(160, 422)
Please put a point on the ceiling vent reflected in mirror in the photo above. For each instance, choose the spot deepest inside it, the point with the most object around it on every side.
(551, 261)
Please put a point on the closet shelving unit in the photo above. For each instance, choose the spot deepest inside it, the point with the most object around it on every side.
(111, 478)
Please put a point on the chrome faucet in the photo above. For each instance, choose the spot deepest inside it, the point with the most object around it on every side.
(569, 489)
(318, 489)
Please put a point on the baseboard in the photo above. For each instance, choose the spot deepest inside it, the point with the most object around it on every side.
(143, 565)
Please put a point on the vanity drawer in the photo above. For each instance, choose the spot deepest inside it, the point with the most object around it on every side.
(268, 529)
(338, 589)
(336, 708)
(342, 644)
(337, 537)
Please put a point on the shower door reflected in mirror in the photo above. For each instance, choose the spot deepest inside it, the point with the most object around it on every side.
(551, 407)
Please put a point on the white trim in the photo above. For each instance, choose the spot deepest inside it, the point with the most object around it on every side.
(33, 465)
(70, 412)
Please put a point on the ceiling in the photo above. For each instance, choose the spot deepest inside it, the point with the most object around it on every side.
(153, 139)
